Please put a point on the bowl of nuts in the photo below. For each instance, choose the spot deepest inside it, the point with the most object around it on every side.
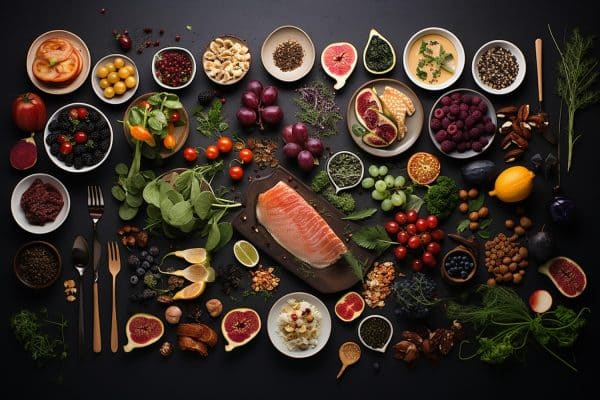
(37, 264)
(498, 67)
(173, 67)
(226, 60)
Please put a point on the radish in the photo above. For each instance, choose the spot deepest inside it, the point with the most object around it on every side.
(23, 154)
(540, 301)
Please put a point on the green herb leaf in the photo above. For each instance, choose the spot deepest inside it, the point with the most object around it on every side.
(121, 169)
(226, 233)
(485, 223)
(211, 120)
(138, 182)
(413, 202)
(358, 130)
(463, 225)
(214, 237)
(355, 264)
(372, 238)
(173, 105)
(118, 193)
(134, 201)
(153, 212)
(174, 196)
(203, 203)
(476, 203)
(183, 183)
(126, 212)
(484, 234)
(195, 189)
(151, 193)
(136, 117)
(360, 214)
(181, 213)
(155, 125)
(317, 107)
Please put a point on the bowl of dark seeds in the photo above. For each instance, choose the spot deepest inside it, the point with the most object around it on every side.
(499, 67)
(37, 264)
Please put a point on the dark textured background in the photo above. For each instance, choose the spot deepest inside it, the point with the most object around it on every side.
(258, 370)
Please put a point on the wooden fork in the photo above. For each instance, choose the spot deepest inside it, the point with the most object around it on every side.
(114, 266)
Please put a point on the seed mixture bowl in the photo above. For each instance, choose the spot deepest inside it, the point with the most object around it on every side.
(37, 264)
(173, 68)
(500, 58)
(19, 214)
(279, 37)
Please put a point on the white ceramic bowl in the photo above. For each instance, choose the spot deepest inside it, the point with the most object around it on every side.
(460, 58)
(381, 349)
(232, 81)
(281, 35)
(18, 213)
(273, 326)
(117, 99)
(180, 49)
(520, 62)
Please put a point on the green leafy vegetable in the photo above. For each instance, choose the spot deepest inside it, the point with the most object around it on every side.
(463, 225)
(30, 329)
(413, 202)
(358, 130)
(355, 264)
(506, 325)
(360, 214)
(442, 197)
(342, 201)
(211, 121)
(476, 203)
(372, 238)
(317, 107)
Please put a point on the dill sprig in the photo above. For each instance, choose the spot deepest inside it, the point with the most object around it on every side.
(29, 328)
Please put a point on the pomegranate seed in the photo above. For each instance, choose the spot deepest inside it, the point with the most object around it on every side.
(102, 11)
(147, 30)
(173, 68)
(156, 43)
(177, 37)
(162, 31)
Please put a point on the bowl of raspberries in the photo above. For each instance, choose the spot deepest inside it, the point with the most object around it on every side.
(78, 137)
(462, 123)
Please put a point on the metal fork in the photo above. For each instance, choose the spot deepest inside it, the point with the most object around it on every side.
(114, 266)
(95, 203)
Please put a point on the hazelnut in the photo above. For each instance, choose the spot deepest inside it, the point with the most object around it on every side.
(483, 212)
(517, 278)
(526, 222)
(214, 307)
(491, 282)
(519, 230)
(473, 193)
(71, 298)
(474, 216)
(173, 314)
(473, 226)
(463, 208)
(463, 194)
(509, 224)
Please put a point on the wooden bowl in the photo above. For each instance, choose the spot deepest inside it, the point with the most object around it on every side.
(19, 271)
(458, 281)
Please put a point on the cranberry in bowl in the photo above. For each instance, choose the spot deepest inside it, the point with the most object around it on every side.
(173, 67)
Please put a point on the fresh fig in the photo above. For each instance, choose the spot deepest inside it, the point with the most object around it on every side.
(142, 330)
(566, 274)
(366, 99)
(239, 326)
(541, 246)
(349, 307)
(338, 61)
(374, 141)
(23, 154)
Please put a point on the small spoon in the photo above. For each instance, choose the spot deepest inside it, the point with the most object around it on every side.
(194, 273)
(349, 354)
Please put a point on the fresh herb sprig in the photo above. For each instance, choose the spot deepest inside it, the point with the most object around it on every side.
(211, 121)
(373, 238)
(29, 328)
(577, 75)
(360, 214)
(317, 107)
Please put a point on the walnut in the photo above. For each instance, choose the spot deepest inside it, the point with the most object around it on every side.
(175, 282)
(442, 340)
(406, 351)
(214, 307)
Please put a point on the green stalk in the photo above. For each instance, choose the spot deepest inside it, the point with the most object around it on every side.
(570, 139)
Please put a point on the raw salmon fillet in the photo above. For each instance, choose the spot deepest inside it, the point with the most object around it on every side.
(297, 227)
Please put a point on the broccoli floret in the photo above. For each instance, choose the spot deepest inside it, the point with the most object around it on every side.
(320, 182)
(344, 201)
(442, 197)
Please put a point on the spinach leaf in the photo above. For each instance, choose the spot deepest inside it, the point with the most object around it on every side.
(203, 203)
(126, 212)
(134, 201)
(118, 193)
(152, 193)
(181, 213)
(173, 104)
(214, 237)
(226, 232)
(121, 169)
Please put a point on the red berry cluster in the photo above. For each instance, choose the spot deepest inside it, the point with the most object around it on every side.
(418, 235)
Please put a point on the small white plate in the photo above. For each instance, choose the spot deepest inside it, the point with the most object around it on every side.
(520, 62)
(273, 325)
(281, 35)
(117, 99)
(381, 349)
(180, 49)
(18, 213)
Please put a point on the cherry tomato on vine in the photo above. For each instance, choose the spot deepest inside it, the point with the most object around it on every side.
(66, 148)
(416, 265)
(432, 222)
(80, 137)
(411, 216)
(400, 218)
(211, 152)
(434, 248)
(62, 138)
(225, 144)
(246, 155)
(392, 227)
(414, 242)
(190, 154)
(437, 234)
(402, 237)
(421, 224)
(82, 113)
(400, 252)
(429, 259)
(145, 104)
(425, 238)
(73, 114)
(236, 173)
(411, 229)
(175, 116)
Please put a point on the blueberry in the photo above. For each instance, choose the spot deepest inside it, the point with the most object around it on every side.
(133, 279)
(463, 274)
(143, 254)
(133, 261)
(150, 259)
(153, 251)
(145, 264)
(154, 268)
(140, 271)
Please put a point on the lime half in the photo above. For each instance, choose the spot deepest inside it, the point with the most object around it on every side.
(245, 253)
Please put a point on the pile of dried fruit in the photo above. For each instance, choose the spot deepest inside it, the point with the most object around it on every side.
(263, 279)
(378, 284)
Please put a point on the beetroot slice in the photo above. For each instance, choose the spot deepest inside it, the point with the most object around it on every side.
(23, 154)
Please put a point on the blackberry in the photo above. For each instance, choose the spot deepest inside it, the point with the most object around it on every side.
(63, 119)
(87, 159)
(133, 261)
(153, 250)
(98, 156)
(143, 254)
(145, 265)
(51, 138)
(94, 136)
(61, 156)
(149, 258)
(140, 271)
(54, 126)
(78, 149)
(104, 145)
(55, 149)
(154, 268)
(101, 125)
(133, 279)
(78, 163)
(205, 96)
(93, 116)
(69, 160)
(104, 133)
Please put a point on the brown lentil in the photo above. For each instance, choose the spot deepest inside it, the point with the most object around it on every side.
(288, 55)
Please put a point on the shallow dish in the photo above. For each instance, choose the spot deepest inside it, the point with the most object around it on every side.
(414, 123)
(520, 58)
(273, 325)
(182, 50)
(380, 349)
(491, 113)
(411, 51)
(19, 270)
(117, 99)
(19, 215)
(85, 60)
(208, 54)
(61, 164)
(281, 35)
(181, 132)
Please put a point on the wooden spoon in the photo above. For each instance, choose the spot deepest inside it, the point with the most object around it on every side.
(194, 273)
(349, 354)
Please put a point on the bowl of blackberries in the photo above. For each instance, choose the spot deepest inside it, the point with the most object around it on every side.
(78, 137)
(459, 265)
(462, 123)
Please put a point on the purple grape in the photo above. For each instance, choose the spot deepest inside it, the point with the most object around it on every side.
(300, 132)
(269, 96)
(246, 116)
(306, 161)
(250, 100)
(315, 146)
(291, 150)
(255, 87)
(287, 134)
(272, 114)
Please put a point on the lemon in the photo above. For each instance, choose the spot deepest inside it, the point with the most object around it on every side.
(191, 291)
(130, 82)
(245, 253)
(123, 73)
(102, 72)
(513, 184)
(118, 62)
(109, 92)
(104, 83)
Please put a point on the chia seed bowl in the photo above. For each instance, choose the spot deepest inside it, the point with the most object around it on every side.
(37, 264)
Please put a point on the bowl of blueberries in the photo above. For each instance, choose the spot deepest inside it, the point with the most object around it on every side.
(459, 265)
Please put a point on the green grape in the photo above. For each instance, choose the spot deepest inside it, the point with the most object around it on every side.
(399, 181)
(383, 170)
(368, 183)
(378, 195)
(380, 186)
(374, 171)
(389, 181)
(386, 205)
(398, 198)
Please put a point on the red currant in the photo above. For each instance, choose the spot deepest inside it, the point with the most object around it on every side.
(414, 242)
(392, 227)
(425, 238)
(400, 218)
(411, 229)
(400, 252)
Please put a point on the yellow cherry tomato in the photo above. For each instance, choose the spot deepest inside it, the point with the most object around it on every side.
(123, 73)
(131, 69)
(130, 82)
(109, 92)
(119, 87)
(104, 83)
(102, 72)
(110, 67)
(118, 62)
(113, 77)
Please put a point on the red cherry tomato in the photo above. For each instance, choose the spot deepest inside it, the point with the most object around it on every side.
(425, 238)
(82, 113)
(225, 144)
(437, 234)
(62, 138)
(145, 104)
(411, 229)
(66, 148)
(416, 265)
(211, 152)
(414, 242)
(421, 224)
(411, 216)
(73, 114)
(392, 227)
(402, 237)
(434, 248)
(190, 154)
(400, 252)
(236, 173)
(432, 222)
(429, 259)
(175, 116)
(80, 137)
(400, 218)
(29, 112)
(246, 155)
